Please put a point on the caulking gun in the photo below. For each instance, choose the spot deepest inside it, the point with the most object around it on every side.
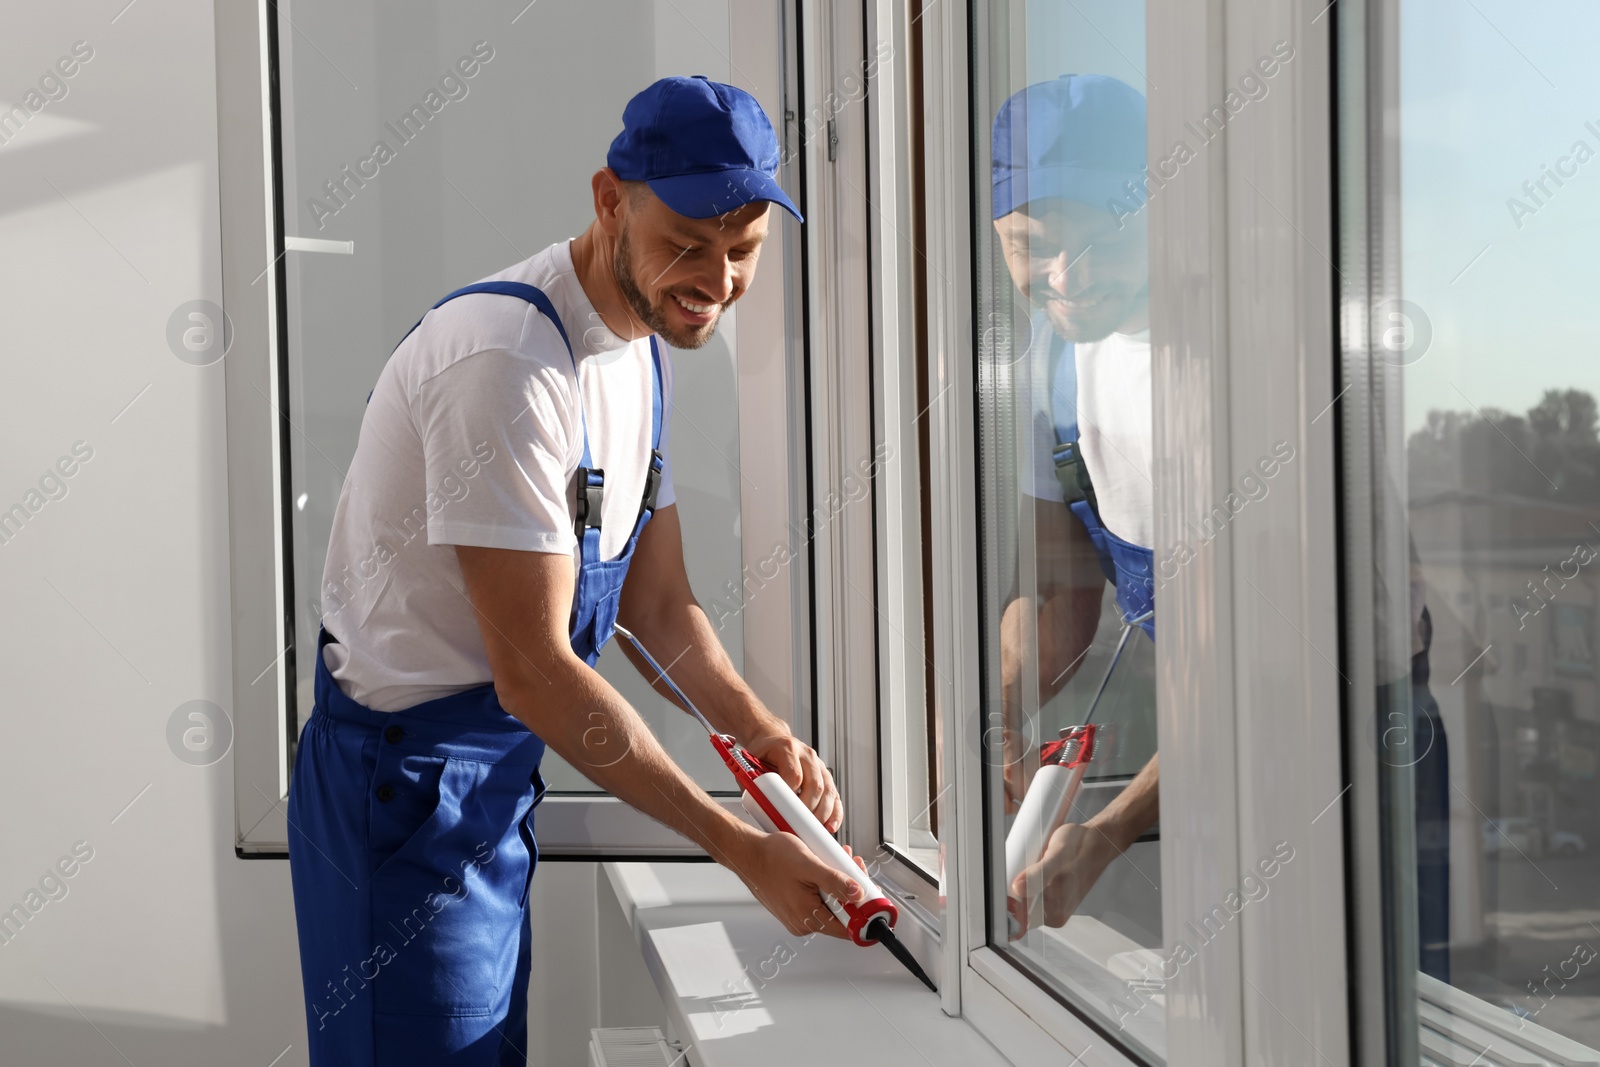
(870, 918)
(1055, 786)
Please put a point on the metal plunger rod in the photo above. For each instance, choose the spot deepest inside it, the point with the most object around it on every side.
(1122, 643)
(661, 672)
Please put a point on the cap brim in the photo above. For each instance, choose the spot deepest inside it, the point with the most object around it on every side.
(711, 193)
(1097, 188)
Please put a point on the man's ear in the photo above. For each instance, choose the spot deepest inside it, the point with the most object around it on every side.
(610, 200)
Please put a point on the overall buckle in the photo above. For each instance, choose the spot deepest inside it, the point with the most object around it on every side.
(1069, 471)
(591, 495)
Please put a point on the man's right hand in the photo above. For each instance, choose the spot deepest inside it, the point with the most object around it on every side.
(786, 878)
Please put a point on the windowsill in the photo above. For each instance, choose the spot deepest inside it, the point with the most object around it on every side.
(738, 988)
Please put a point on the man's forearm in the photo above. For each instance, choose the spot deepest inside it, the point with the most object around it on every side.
(1135, 809)
(596, 731)
(1060, 625)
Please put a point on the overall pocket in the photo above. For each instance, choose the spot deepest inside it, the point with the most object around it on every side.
(447, 904)
(402, 798)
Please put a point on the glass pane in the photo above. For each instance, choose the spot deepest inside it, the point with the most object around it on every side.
(1066, 502)
(1490, 741)
(448, 199)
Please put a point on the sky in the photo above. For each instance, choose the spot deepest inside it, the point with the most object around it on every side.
(1490, 94)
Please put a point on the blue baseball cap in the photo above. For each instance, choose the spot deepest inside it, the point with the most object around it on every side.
(1080, 137)
(703, 147)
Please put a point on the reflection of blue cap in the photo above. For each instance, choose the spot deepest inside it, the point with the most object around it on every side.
(1079, 137)
(705, 148)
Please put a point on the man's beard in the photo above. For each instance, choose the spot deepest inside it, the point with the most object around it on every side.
(645, 312)
(1096, 325)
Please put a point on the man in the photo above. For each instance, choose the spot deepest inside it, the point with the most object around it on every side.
(1064, 155)
(522, 427)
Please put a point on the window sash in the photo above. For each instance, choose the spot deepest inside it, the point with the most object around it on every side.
(1242, 319)
(855, 213)
(771, 386)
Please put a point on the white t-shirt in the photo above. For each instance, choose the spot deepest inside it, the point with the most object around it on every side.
(1115, 418)
(473, 435)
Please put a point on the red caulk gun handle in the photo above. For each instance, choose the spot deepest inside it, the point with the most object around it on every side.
(776, 808)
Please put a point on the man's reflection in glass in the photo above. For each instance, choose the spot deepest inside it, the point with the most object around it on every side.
(1068, 193)
(1070, 212)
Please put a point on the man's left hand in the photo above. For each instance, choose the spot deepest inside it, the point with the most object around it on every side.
(1050, 891)
(796, 763)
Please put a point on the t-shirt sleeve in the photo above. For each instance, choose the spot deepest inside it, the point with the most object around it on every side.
(499, 444)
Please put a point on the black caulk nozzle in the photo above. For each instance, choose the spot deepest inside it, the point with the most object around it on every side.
(878, 929)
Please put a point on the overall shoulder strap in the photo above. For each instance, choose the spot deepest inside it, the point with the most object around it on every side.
(1060, 355)
(1071, 471)
(536, 297)
(657, 400)
(520, 290)
(653, 473)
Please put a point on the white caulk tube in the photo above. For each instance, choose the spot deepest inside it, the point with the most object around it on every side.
(795, 817)
(1049, 798)
(1055, 786)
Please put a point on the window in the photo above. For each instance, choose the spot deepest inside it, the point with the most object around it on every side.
(884, 413)
(1232, 190)
(973, 541)
(1471, 390)
(914, 800)
(1065, 488)
(398, 183)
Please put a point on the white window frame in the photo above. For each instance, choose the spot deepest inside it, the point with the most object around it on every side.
(1241, 274)
(771, 386)
(853, 213)
(1369, 189)
(257, 538)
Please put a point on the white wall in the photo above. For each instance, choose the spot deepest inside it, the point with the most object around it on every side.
(165, 949)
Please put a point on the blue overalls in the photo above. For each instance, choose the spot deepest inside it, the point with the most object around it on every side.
(411, 844)
(1130, 568)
